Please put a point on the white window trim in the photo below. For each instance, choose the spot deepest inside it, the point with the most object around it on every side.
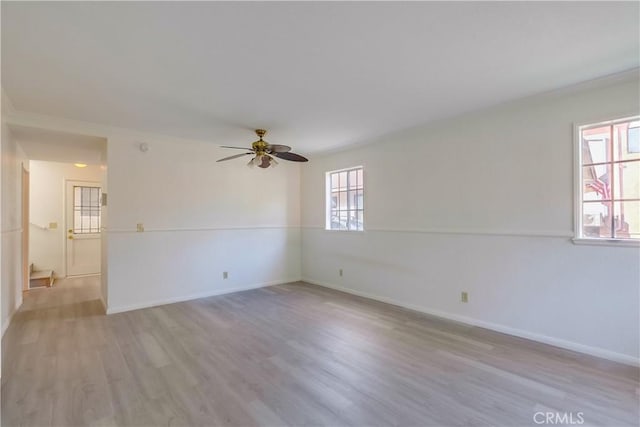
(327, 197)
(577, 186)
(606, 242)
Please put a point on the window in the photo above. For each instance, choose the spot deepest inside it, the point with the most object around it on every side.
(609, 181)
(345, 200)
(86, 209)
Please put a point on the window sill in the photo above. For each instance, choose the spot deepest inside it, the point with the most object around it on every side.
(607, 242)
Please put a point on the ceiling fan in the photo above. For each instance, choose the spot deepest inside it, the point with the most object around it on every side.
(265, 153)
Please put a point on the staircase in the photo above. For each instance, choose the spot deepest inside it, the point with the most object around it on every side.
(40, 278)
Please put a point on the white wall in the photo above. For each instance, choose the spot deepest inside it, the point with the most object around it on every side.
(201, 218)
(484, 204)
(46, 205)
(11, 264)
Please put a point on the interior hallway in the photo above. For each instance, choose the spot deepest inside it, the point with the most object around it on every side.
(286, 355)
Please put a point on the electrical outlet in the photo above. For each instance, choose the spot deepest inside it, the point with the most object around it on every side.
(464, 297)
(225, 275)
(53, 225)
(340, 272)
(140, 227)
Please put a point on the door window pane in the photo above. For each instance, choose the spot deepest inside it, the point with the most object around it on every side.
(86, 209)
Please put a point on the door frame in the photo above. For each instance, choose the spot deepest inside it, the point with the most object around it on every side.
(25, 228)
(65, 219)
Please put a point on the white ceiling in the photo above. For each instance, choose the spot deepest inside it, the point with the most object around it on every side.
(54, 146)
(317, 75)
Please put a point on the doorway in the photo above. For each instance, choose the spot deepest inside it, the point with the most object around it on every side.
(55, 162)
(65, 220)
(25, 229)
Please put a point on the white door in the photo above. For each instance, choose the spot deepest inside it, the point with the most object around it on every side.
(83, 203)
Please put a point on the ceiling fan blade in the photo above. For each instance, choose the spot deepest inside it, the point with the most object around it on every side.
(237, 148)
(233, 157)
(291, 156)
(275, 148)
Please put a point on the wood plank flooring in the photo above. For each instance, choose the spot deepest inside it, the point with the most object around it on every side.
(291, 354)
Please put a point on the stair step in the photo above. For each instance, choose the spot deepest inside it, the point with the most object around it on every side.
(41, 274)
(41, 278)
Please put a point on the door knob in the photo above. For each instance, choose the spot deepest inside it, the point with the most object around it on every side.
(70, 237)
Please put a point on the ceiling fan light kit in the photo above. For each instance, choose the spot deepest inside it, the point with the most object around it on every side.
(264, 153)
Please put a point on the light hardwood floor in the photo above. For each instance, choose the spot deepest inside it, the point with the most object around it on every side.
(292, 354)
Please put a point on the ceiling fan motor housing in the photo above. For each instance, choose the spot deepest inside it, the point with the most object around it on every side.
(260, 146)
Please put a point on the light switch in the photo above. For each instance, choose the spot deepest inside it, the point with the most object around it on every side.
(53, 225)
(140, 227)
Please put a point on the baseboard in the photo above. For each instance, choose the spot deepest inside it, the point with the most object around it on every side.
(211, 293)
(557, 342)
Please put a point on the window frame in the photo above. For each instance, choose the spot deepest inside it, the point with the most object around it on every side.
(327, 199)
(579, 238)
